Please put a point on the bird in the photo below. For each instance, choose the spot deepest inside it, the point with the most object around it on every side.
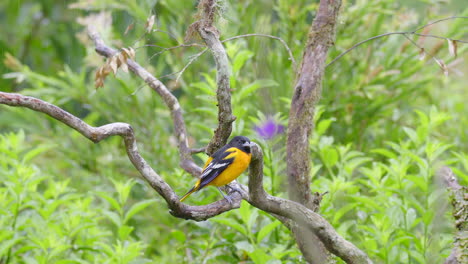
(224, 166)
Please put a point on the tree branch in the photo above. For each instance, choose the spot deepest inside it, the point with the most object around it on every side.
(306, 95)
(282, 209)
(96, 134)
(186, 161)
(210, 35)
(299, 213)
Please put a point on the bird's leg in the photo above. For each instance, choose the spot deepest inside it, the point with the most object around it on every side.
(235, 189)
(225, 196)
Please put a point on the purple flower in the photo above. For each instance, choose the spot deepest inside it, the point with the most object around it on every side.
(269, 128)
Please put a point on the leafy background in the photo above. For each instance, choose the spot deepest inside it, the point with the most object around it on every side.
(386, 122)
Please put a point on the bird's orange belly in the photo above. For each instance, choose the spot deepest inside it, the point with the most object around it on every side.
(233, 171)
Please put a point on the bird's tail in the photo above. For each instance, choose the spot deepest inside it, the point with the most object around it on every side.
(194, 189)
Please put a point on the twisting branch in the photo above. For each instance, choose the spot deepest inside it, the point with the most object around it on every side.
(257, 195)
(299, 213)
(404, 33)
(186, 161)
(210, 35)
(96, 134)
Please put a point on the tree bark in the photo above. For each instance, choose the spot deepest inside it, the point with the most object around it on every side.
(306, 95)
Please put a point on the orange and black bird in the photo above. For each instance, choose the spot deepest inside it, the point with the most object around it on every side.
(225, 165)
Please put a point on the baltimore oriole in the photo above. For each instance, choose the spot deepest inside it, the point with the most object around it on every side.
(225, 165)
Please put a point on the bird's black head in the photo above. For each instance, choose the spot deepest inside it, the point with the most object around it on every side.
(242, 143)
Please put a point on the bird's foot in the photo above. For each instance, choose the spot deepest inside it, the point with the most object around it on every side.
(225, 196)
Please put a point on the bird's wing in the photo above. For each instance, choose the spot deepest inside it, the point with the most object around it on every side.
(221, 160)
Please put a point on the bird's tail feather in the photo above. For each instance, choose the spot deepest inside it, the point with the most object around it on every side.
(194, 189)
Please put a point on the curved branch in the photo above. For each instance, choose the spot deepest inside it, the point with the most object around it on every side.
(210, 35)
(96, 134)
(186, 161)
(299, 213)
(257, 195)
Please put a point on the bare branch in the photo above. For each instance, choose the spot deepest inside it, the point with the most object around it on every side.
(362, 42)
(440, 20)
(169, 99)
(167, 49)
(96, 134)
(300, 214)
(198, 150)
(306, 94)
(257, 196)
(192, 59)
(438, 37)
(210, 35)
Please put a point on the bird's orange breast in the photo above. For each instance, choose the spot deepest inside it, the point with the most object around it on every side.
(239, 165)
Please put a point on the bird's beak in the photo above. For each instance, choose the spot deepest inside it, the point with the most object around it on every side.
(248, 144)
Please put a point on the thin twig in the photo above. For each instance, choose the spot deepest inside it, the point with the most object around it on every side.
(291, 57)
(401, 33)
(192, 59)
(362, 42)
(170, 48)
(440, 20)
(437, 60)
(438, 37)
(197, 150)
(167, 33)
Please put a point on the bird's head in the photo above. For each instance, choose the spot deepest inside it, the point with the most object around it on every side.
(242, 143)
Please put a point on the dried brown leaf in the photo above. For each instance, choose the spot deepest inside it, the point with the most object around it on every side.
(98, 73)
(149, 23)
(442, 65)
(99, 78)
(132, 53)
(11, 62)
(452, 47)
(124, 67)
(113, 64)
(422, 54)
(125, 53)
(122, 61)
(129, 27)
(98, 83)
(106, 69)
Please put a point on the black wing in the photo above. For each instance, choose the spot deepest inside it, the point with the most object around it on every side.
(216, 166)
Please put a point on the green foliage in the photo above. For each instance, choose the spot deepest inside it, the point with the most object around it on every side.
(386, 123)
(390, 198)
(45, 221)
